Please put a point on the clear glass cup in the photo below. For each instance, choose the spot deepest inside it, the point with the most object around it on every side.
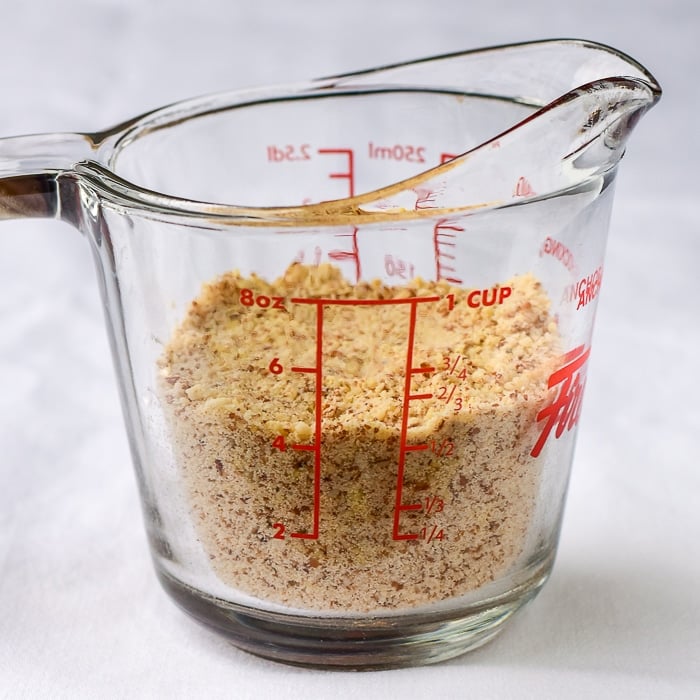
(351, 322)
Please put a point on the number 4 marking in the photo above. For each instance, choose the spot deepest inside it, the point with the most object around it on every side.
(279, 443)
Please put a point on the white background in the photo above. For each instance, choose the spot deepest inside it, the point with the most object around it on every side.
(81, 613)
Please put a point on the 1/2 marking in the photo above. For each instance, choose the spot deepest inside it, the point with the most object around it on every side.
(442, 449)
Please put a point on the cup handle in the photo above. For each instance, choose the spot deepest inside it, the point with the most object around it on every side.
(29, 170)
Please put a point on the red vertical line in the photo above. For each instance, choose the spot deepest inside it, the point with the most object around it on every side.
(356, 253)
(440, 232)
(398, 506)
(317, 370)
(351, 174)
(353, 254)
(318, 419)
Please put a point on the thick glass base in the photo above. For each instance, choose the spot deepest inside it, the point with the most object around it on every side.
(368, 642)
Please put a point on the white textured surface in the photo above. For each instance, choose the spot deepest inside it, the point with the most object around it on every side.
(81, 614)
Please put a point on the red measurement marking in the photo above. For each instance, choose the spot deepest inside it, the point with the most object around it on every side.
(442, 449)
(395, 267)
(444, 242)
(420, 396)
(422, 370)
(444, 157)
(349, 175)
(289, 152)
(453, 366)
(317, 370)
(416, 448)
(443, 393)
(400, 506)
(425, 199)
(316, 447)
(429, 535)
(397, 151)
(353, 254)
(365, 302)
(488, 297)
(434, 504)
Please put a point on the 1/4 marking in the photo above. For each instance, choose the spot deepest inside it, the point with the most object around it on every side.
(430, 534)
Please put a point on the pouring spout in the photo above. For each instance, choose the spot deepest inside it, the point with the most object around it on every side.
(605, 113)
(584, 100)
(29, 168)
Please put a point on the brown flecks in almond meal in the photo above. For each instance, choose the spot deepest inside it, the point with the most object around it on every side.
(234, 402)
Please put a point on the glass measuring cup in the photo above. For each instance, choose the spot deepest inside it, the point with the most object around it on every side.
(352, 398)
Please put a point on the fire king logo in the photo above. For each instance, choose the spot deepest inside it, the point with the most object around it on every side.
(565, 410)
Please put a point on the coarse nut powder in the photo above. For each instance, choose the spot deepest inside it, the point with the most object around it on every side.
(243, 418)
